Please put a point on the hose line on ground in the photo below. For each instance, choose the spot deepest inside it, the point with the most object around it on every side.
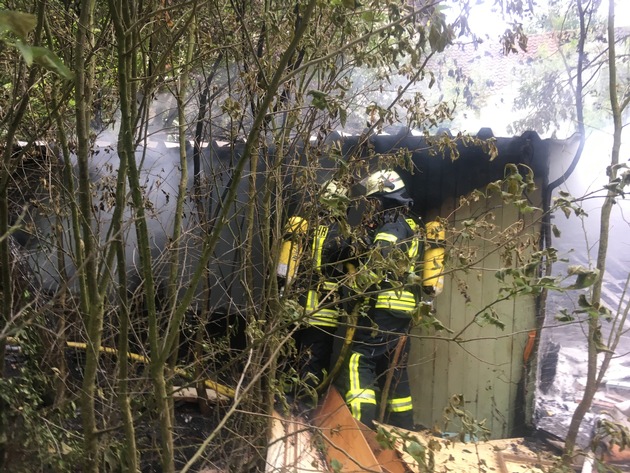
(208, 383)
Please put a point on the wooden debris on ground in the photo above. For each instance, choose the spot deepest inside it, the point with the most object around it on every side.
(500, 456)
(293, 447)
(189, 394)
(350, 447)
(345, 446)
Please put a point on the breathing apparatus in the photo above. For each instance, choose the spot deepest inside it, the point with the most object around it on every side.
(333, 196)
(292, 248)
(434, 252)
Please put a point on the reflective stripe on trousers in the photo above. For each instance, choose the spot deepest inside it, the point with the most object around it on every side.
(356, 395)
(402, 404)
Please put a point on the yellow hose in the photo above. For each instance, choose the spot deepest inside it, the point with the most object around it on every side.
(109, 351)
(208, 383)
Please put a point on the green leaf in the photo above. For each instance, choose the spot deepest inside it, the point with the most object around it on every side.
(416, 450)
(343, 116)
(555, 230)
(43, 57)
(490, 318)
(18, 23)
(605, 313)
(585, 277)
(368, 16)
(319, 100)
(523, 206)
(564, 316)
(436, 40)
(435, 324)
(584, 302)
(548, 282)
(494, 187)
(385, 439)
(26, 51)
(600, 344)
(47, 59)
(579, 211)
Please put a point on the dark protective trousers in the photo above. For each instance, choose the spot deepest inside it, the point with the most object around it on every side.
(367, 370)
(315, 345)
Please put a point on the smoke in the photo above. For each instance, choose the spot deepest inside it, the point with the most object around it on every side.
(159, 166)
(577, 245)
(579, 238)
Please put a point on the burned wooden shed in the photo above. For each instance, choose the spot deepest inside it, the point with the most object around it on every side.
(491, 366)
(487, 364)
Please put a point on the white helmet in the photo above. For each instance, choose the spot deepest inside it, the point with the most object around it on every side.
(334, 189)
(388, 186)
(334, 197)
(382, 182)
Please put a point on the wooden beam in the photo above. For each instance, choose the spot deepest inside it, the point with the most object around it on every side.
(346, 448)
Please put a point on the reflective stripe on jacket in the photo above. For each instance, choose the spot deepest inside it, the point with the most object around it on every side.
(325, 293)
(399, 299)
(327, 316)
(403, 301)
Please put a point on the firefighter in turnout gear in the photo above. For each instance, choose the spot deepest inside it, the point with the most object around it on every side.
(376, 369)
(312, 261)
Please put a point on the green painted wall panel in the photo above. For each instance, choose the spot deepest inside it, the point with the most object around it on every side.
(486, 366)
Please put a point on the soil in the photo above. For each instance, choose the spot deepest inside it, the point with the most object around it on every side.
(192, 426)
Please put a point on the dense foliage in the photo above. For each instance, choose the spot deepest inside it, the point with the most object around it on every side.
(259, 78)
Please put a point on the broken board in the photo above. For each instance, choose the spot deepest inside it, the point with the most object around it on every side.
(350, 446)
(292, 447)
(189, 394)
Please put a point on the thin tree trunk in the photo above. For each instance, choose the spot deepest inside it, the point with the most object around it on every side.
(91, 303)
(130, 463)
(5, 249)
(174, 322)
(131, 458)
(64, 195)
(594, 326)
(120, 15)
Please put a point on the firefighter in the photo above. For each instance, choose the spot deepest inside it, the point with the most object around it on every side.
(377, 359)
(312, 261)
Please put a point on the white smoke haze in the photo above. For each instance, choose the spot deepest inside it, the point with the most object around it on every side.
(565, 344)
